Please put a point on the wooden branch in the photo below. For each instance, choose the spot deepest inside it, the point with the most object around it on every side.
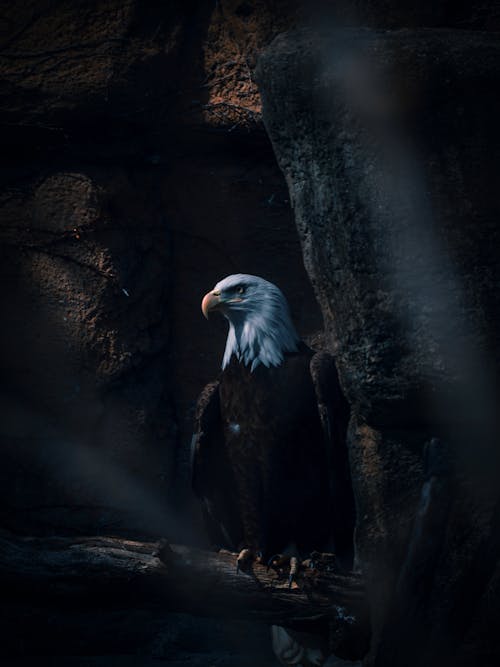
(111, 571)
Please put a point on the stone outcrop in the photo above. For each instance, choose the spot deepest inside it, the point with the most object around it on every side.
(135, 174)
(85, 258)
(389, 145)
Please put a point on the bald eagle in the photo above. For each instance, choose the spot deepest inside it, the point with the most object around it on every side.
(269, 458)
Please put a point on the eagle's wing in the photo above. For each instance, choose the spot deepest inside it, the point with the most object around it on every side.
(211, 472)
(334, 415)
(207, 421)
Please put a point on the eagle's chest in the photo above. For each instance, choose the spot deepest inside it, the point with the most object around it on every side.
(265, 409)
(247, 416)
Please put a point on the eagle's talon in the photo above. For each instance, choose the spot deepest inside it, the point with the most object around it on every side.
(245, 557)
(294, 568)
(309, 564)
(278, 562)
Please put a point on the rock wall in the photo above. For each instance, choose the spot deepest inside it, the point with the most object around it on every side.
(389, 144)
(84, 263)
(136, 173)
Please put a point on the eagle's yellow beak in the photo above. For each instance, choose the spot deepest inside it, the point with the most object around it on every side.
(210, 302)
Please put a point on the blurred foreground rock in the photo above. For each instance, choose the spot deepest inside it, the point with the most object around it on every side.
(389, 142)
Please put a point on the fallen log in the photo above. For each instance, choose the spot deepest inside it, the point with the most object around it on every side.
(149, 580)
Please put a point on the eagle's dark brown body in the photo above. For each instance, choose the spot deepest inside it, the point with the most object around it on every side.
(269, 457)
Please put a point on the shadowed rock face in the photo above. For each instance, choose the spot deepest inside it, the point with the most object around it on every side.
(389, 145)
(135, 175)
(84, 258)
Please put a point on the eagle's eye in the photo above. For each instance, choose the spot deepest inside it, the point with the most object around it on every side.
(240, 289)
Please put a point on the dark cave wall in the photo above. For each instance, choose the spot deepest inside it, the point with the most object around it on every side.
(139, 127)
(85, 262)
(136, 173)
(389, 144)
(135, 159)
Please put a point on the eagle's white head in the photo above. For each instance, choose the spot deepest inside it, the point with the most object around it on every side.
(260, 327)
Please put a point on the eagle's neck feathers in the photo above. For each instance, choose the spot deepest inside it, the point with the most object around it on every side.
(261, 335)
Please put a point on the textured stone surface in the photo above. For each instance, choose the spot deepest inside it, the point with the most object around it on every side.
(396, 14)
(389, 143)
(135, 174)
(370, 136)
(85, 261)
(134, 159)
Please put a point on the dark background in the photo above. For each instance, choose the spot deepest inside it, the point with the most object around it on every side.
(138, 169)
